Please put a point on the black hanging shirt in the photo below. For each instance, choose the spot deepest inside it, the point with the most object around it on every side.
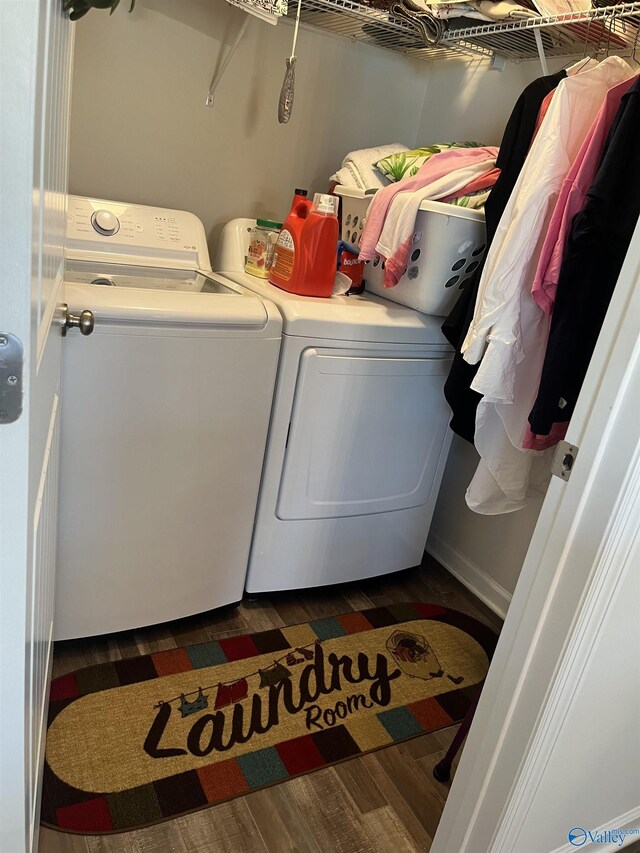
(598, 241)
(514, 147)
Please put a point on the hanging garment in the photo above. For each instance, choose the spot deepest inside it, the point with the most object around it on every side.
(229, 693)
(273, 674)
(572, 199)
(513, 151)
(306, 653)
(187, 708)
(544, 107)
(396, 241)
(509, 331)
(596, 248)
(436, 168)
(573, 196)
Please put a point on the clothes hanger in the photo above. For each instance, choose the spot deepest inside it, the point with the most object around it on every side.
(582, 64)
(575, 67)
(598, 45)
(635, 46)
(606, 50)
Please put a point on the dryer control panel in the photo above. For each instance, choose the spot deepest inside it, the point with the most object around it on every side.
(133, 233)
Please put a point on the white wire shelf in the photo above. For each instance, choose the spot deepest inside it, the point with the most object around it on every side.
(372, 26)
(603, 29)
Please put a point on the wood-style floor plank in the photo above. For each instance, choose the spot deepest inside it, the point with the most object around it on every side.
(280, 822)
(384, 802)
(358, 783)
(388, 833)
(357, 599)
(419, 835)
(261, 615)
(332, 819)
(147, 840)
(227, 828)
(415, 789)
(421, 747)
(58, 842)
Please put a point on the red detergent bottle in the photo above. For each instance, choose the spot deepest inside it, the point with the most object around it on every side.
(309, 266)
(288, 244)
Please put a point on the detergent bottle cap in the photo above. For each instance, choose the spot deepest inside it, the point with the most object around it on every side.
(269, 223)
(327, 204)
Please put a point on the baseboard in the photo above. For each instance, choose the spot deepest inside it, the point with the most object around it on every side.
(630, 820)
(471, 575)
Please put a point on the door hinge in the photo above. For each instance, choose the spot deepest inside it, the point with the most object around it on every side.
(564, 460)
(11, 359)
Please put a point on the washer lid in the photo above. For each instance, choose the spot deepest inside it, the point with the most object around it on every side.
(143, 278)
(364, 318)
(149, 297)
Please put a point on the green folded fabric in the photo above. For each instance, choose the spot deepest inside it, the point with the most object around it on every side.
(405, 164)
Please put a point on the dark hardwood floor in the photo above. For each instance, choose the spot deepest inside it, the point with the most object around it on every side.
(385, 801)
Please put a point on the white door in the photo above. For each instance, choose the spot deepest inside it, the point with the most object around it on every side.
(552, 761)
(36, 43)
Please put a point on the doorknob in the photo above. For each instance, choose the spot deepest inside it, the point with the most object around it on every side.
(85, 321)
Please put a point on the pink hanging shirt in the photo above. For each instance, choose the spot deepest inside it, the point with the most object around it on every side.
(572, 198)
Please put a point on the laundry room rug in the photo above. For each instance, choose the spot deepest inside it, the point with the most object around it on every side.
(140, 740)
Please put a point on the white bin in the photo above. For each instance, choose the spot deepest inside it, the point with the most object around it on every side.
(448, 245)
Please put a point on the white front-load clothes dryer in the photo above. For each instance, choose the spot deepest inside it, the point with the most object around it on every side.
(165, 412)
(358, 438)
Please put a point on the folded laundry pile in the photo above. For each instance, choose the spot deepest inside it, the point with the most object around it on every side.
(430, 18)
(483, 10)
(370, 169)
(405, 164)
(359, 167)
(458, 175)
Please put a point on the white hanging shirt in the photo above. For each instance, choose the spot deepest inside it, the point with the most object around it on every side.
(509, 331)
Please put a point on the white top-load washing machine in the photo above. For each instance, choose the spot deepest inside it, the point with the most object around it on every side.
(358, 438)
(165, 412)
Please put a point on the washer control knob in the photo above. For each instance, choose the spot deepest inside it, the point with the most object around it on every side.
(105, 222)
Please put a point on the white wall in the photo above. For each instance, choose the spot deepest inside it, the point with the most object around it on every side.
(485, 552)
(140, 130)
(472, 101)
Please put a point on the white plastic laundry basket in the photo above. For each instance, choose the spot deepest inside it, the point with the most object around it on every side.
(448, 245)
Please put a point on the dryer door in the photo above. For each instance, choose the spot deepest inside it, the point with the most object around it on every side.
(366, 435)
